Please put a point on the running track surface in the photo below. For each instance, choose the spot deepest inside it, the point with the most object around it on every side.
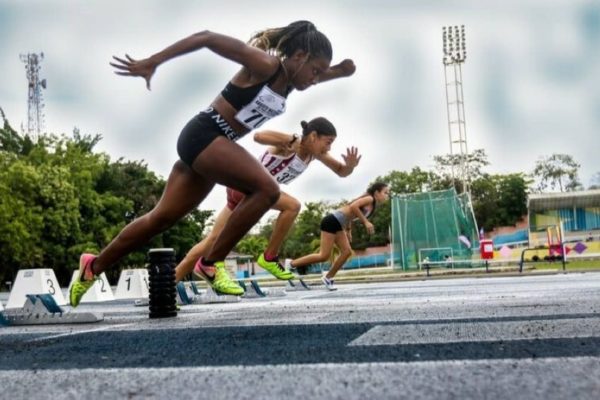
(524, 337)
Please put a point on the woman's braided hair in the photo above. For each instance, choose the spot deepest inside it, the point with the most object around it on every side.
(285, 41)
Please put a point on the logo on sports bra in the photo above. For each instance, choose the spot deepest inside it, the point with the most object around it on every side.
(266, 105)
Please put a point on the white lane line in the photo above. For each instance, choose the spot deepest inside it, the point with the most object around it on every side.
(562, 378)
(104, 328)
(381, 335)
(438, 364)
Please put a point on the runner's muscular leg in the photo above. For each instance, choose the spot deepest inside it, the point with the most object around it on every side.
(289, 208)
(343, 244)
(229, 164)
(327, 241)
(187, 264)
(183, 191)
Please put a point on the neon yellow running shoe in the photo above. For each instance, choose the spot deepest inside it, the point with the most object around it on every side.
(220, 282)
(275, 268)
(80, 286)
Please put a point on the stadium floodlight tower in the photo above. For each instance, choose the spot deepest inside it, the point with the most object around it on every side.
(35, 102)
(455, 54)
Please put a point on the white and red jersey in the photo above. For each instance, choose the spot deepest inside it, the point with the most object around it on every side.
(284, 169)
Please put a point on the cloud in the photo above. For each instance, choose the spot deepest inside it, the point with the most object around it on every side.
(531, 84)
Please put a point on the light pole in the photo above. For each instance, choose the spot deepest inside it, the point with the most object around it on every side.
(455, 54)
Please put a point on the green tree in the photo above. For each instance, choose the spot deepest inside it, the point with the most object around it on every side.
(58, 198)
(513, 189)
(11, 141)
(448, 165)
(253, 245)
(499, 200)
(185, 233)
(484, 197)
(306, 230)
(21, 220)
(415, 181)
(558, 171)
(119, 177)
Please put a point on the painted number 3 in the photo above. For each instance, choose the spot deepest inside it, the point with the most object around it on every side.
(51, 288)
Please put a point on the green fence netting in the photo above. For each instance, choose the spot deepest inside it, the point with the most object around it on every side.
(437, 227)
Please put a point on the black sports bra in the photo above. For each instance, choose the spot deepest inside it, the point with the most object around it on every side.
(239, 97)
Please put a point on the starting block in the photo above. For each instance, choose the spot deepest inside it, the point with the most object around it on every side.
(133, 284)
(300, 285)
(100, 290)
(194, 287)
(254, 290)
(209, 297)
(183, 298)
(42, 309)
(37, 280)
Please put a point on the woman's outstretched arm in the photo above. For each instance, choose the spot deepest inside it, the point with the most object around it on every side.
(256, 60)
(344, 169)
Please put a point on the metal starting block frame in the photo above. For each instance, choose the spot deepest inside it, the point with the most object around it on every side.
(42, 309)
(254, 290)
(300, 285)
(208, 297)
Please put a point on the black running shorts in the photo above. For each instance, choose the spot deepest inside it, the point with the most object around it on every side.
(199, 132)
(330, 224)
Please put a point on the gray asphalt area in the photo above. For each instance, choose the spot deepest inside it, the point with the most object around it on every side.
(523, 337)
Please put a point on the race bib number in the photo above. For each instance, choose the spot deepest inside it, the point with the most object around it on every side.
(291, 171)
(266, 105)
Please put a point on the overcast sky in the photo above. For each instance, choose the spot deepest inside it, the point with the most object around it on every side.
(531, 80)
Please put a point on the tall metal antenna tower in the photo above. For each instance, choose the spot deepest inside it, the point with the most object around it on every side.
(455, 54)
(35, 102)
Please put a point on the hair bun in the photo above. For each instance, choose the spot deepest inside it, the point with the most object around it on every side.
(303, 124)
(303, 26)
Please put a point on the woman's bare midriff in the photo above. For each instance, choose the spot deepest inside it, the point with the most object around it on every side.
(227, 111)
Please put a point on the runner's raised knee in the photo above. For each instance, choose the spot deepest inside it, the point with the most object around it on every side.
(269, 191)
(294, 206)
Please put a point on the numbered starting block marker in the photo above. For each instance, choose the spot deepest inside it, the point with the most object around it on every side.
(100, 290)
(133, 284)
(42, 309)
(39, 280)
